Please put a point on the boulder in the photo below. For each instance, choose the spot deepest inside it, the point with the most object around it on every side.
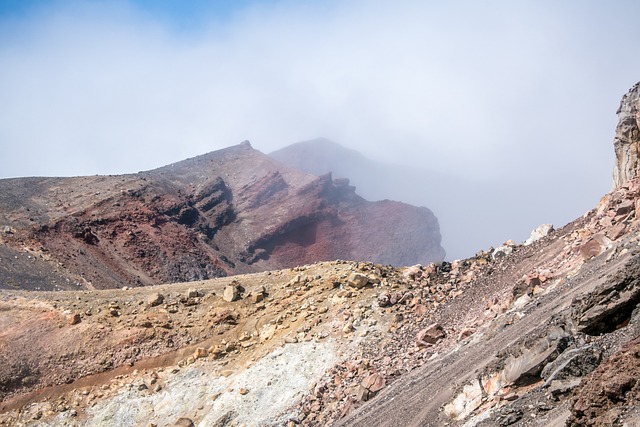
(531, 362)
(617, 231)
(613, 308)
(413, 272)
(258, 295)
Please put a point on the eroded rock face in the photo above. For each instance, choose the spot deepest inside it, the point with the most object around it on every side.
(627, 139)
(231, 211)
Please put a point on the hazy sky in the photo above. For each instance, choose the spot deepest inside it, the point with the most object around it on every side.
(517, 94)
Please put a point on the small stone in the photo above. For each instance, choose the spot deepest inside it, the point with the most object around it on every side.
(348, 327)
(502, 251)
(430, 335)
(200, 352)
(558, 387)
(231, 293)
(243, 391)
(617, 231)
(466, 333)
(537, 234)
(290, 339)
(155, 299)
(74, 319)
(184, 422)
(357, 280)
(193, 293)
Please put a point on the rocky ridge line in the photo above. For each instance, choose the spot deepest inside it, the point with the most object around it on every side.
(232, 211)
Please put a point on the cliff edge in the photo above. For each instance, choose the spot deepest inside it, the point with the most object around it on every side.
(627, 138)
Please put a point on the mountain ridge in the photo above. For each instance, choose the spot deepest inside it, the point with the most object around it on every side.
(226, 212)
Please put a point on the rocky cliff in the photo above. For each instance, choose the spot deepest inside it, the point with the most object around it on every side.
(627, 138)
(227, 212)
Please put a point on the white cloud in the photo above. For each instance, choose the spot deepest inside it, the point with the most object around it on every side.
(488, 91)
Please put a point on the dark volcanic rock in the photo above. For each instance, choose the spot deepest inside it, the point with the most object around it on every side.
(231, 211)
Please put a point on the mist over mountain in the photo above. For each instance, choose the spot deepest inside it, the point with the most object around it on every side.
(378, 181)
(473, 213)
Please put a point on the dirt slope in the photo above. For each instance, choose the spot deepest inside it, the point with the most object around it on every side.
(518, 335)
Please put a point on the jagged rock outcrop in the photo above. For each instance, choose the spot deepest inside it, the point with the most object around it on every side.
(627, 139)
(227, 212)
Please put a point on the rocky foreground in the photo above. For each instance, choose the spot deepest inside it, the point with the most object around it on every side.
(542, 334)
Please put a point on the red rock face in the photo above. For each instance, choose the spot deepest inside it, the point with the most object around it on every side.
(231, 211)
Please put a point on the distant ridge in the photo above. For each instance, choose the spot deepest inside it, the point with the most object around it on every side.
(230, 211)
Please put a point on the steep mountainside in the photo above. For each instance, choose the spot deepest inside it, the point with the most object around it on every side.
(227, 212)
(543, 334)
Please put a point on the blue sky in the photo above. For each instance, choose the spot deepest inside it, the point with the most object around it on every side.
(182, 13)
(489, 93)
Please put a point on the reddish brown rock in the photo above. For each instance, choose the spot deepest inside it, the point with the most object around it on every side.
(74, 319)
(227, 212)
(615, 382)
(369, 386)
